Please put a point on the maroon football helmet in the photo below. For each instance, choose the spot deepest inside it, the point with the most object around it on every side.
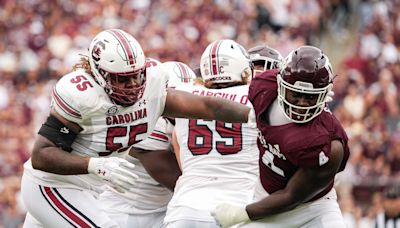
(265, 56)
(305, 72)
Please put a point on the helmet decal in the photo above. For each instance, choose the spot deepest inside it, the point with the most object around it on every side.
(98, 47)
(214, 56)
(126, 46)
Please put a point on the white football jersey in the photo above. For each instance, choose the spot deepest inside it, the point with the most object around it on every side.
(149, 196)
(219, 161)
(108, 129)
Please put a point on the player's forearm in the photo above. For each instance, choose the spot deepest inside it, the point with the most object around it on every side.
(277, 202)
(181, 104)
(54, 160)
(228, 111)
(305, 184)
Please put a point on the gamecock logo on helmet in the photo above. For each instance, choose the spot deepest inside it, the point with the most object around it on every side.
(98, 47)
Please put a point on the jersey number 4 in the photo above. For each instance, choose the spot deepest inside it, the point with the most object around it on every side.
(201, 137)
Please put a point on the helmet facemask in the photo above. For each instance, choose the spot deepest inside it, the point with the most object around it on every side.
(126, 88)
(296, 113)
(266, 63)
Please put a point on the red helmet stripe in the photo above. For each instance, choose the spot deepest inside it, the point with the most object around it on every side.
(126, 46)
(213, 57)
(184, 72)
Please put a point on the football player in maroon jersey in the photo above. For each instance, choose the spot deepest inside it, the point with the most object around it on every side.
(302, 147)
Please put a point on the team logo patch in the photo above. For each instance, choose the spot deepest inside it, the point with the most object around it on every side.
(98, 47)
(112, 111)
(64, 130)
(142, 102)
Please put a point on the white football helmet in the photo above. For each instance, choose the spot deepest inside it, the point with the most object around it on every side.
(225, 61)
(265, 56)
(178, 73)
(118, 64)
(305, 74)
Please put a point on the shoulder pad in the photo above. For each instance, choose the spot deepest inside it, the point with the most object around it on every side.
(75, 95)
(156, 79)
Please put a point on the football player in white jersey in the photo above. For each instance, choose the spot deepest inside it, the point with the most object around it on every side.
(145, 205)
(111, 101)
(302, 147)
(218, 159)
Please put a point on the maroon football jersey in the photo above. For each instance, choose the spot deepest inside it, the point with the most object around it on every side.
(285, 148)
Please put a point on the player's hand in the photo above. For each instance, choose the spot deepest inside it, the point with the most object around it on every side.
(251, 119)
(228, 215)
(117, 172)
(329, 96)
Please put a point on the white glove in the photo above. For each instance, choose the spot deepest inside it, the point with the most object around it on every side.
(251, 119)
(329, 96)
(116, 171)
(228, 215)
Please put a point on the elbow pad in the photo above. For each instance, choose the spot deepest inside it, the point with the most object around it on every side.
(59, 134)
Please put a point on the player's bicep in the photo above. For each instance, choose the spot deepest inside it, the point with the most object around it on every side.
(56, 131)
(71, 125)
(309, 181)
(54, 140)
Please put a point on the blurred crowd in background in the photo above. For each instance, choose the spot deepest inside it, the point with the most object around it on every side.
(41, 42)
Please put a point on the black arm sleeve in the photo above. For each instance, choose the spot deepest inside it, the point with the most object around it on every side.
(55, 131)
